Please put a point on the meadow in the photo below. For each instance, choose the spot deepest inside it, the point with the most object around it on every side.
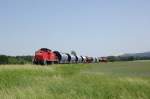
(117, 80)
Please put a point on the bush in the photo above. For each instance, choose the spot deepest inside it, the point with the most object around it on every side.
(3, 59)
(15, 59)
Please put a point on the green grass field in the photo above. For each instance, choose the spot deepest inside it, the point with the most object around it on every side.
(118, 80)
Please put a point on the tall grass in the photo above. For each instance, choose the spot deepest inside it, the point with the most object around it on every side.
(120, 80)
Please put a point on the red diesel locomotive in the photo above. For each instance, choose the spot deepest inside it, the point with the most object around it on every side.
(45, 56)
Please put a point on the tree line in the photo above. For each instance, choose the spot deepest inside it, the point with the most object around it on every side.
(4, 59)
(126, 58)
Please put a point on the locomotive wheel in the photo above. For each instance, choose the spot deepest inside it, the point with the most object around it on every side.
(50, 62)
(55, 62)
(36, 63)
(45, 62)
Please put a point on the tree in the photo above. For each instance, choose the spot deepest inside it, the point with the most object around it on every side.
(3, 59)
(73, 53)
(111, 58)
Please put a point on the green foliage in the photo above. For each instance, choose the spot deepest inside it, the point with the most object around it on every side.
(111, 58)
(3, 59)
(118, 80)
(15, 59)
(73, 52)
(126, 58)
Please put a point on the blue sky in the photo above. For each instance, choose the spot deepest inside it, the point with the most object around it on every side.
(90, 27)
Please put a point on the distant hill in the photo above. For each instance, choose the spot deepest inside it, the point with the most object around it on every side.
(144, 54)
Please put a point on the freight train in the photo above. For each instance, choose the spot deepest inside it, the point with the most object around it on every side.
(45, 56)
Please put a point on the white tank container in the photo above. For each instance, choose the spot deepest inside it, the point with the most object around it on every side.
(84, 59)
(64, 58)
(73, 59)
(79, 59)
(95, 60)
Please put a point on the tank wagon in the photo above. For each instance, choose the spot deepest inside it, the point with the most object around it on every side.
(80, 59)
(46, 56)
(89, 59)
(103, 59)
(62, 57)
(95, 60)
